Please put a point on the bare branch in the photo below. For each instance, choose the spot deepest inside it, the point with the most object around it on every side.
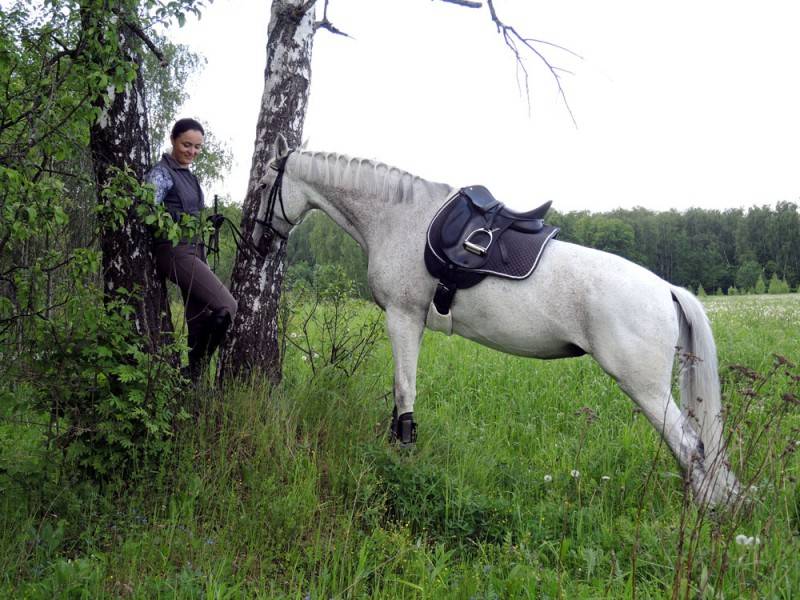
(327, 25)
(147, 42)
(466, 3)
(512, 38)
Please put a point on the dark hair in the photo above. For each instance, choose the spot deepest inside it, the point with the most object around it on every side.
(183, 125)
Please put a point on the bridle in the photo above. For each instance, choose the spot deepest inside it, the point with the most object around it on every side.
(276, 197)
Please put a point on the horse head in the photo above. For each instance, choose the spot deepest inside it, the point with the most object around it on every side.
(282, 206)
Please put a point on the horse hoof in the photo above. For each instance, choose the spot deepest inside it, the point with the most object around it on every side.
(403, 429)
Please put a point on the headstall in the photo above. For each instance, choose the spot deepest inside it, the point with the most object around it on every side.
(276, 197)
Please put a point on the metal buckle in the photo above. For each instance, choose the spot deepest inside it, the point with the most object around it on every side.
(471, 246)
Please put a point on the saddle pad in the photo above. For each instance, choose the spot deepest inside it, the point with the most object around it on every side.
(514, 254)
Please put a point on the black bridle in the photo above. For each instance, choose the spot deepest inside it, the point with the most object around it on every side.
(276, 197)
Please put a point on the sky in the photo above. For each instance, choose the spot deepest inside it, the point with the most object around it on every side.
(677, 103)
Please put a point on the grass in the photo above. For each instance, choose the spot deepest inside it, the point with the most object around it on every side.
(530, 479)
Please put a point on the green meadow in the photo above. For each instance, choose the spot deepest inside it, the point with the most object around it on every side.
(529, 479)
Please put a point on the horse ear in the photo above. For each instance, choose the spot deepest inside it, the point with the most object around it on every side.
(280, 148)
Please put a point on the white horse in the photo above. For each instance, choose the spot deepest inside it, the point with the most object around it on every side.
(578, 301)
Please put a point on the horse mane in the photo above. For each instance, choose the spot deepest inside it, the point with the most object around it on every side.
(364, 175)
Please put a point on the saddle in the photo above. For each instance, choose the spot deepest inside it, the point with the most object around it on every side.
(474, 235)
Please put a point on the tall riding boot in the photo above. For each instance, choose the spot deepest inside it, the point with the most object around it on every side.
(206, 342)
(198, 352)
(219, 323)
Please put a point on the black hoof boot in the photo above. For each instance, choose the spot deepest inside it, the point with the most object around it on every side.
(403, 429)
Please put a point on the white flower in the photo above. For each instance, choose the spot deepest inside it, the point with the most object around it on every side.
(744, 540)
(575, 473)
(605, 478)
(304, 357)
(293, 335)
(316, 355)
(548, 478)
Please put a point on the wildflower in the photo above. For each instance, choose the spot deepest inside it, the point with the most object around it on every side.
(744, 540)
(293, 335)
(605, 478)
(575, 474)
(304, 357)
(548, 478)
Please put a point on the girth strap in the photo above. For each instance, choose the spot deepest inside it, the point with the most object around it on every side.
(443, 298)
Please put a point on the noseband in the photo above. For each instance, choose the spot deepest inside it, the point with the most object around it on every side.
(276, 197)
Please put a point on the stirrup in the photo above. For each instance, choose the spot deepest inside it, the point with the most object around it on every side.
(475, 247)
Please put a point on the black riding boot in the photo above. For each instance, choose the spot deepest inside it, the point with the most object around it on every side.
(198, 350)
(219, 323)
(206, 342)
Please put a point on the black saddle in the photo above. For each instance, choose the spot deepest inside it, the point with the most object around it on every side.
(474, 235)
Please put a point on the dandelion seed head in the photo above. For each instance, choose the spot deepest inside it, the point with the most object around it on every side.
(575, 474)
(548, 478)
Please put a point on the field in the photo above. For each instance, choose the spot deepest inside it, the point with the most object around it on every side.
(530, 479)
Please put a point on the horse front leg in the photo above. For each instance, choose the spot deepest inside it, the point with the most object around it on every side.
(405, 334)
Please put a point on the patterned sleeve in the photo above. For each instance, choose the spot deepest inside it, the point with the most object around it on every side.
(160, 178)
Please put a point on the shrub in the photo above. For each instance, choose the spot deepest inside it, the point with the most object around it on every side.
(112, 405)
(778, 286)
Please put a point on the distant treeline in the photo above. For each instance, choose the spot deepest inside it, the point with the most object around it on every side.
(720, 251)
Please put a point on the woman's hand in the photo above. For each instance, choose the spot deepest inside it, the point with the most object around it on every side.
(216, 220)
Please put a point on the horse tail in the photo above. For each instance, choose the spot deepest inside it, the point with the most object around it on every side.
(700, 393)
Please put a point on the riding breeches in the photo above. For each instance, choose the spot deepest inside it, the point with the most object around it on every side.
(205, 297)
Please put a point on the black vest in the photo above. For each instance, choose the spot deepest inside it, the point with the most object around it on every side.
(185, 195)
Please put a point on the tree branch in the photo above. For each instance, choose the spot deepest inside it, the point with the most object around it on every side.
(327, 25)
(513, 40)
(466, 3)
(147, 42)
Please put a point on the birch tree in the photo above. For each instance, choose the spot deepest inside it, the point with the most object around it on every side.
(120, 150)
(257, 278)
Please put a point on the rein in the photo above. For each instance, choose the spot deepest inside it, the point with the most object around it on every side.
(276, 197)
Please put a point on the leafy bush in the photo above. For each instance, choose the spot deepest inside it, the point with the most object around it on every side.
(111, 404)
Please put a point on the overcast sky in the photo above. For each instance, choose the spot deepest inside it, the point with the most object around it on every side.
(678, 103)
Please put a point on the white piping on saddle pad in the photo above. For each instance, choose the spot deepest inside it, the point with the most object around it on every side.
(439, 322)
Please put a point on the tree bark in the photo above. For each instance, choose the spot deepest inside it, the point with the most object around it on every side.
(253, 345)
(120, 140)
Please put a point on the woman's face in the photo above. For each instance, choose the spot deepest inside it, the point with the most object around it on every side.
(187, 146)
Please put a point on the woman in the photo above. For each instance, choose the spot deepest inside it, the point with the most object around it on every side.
(209, 306)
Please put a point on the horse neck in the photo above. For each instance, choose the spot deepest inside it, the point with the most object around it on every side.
(366, 197)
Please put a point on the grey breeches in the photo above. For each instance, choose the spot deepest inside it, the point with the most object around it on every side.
(204, 295)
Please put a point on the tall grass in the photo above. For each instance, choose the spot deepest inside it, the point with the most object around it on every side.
(530, 479)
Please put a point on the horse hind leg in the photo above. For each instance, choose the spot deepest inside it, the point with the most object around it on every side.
(646, 377)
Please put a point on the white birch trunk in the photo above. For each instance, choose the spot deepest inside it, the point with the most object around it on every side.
(256, 283)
